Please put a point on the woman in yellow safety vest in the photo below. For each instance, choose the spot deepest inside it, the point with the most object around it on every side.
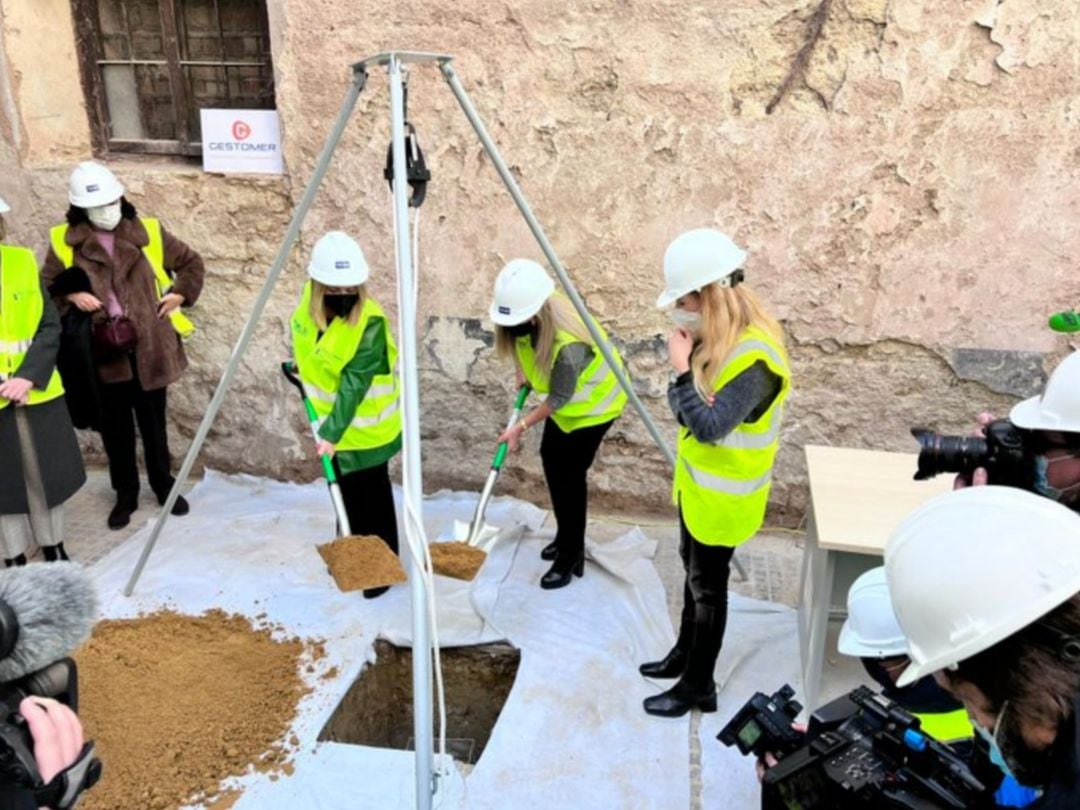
(731, 380)
(130, 276)
(346, 358)
(41, 464)
(556, 356)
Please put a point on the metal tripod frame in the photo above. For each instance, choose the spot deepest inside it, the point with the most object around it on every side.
(394, 62)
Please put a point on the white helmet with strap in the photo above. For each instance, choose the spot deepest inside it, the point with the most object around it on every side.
(871, 629)
(91, 185)
(970, 568)
(521, 288)
(338, 261)
(1058, 406)
(696, 259)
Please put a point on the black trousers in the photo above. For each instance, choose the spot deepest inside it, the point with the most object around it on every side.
(566, 458)
(369, 502)
(123, 405)
(705, 605)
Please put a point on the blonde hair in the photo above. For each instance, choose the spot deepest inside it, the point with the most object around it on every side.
(726, 312)
(317, 306)
(556, 314)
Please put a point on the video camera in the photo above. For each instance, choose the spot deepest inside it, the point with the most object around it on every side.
(1006, 452)
(58, 681)
(861, 750)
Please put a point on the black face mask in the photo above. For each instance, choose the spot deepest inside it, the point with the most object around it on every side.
(341, 305)
(521, 329)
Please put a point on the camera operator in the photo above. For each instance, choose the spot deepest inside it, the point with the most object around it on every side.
(985, 583)
(58, 744)
(1054, 420)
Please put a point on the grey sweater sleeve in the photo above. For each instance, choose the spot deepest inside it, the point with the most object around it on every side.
(571, 361)
(744, 399)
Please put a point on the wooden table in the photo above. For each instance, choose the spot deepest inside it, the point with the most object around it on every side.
(857, 499)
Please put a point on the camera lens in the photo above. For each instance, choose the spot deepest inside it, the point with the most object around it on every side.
(956, 454)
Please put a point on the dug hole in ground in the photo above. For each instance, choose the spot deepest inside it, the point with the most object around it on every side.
(238, 675)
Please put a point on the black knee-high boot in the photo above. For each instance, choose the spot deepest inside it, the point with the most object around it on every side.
(696, 688)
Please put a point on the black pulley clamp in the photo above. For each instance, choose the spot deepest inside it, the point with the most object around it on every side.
(416, 170)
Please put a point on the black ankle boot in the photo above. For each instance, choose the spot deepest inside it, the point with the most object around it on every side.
(680, 699)
(562, 571)
(15, 561)
(551, 551)
(181, 507)
(55, 553)
(120, 516)
(375, 593)
(671, 665)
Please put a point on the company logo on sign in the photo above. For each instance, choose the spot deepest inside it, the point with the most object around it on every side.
(240, 130)
(241, 141)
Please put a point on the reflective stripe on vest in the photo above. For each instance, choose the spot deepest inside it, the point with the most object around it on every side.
(320, 361)
(722, 487)
(598, 397)
(947, 726)
(155, 255)
(21, 308)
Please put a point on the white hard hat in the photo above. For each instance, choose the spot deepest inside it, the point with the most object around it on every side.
(338, 261)
(695, 259)
(871, 629)
(521, 288)
(91, 184)
(970, 568)
(1058, 407)
(4, 207)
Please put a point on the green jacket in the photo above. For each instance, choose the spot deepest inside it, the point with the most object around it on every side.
(370, 359)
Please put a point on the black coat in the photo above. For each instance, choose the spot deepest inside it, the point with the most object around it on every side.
(50, 425)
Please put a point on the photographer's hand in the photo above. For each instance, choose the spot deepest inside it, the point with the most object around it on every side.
(978, 478)
(769, 760)
(57, 734)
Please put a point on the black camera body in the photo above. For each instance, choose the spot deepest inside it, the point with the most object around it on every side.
(58, 681)
(860, 751)
(1006, 452)
(764, 724)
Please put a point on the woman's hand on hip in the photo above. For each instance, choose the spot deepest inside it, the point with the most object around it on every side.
(680, 345)
(85, 301)
(325, 448)
(16, 389)
(168, 304)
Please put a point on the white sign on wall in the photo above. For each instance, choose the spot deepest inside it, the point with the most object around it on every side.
(241, 141)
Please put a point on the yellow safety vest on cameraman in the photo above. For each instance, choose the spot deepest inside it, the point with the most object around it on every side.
(155, 254)
(320, 361)
(21, 306)
(598, 397)
(723, 487)
(947, 727)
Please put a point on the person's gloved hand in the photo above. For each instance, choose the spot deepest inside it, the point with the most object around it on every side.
(979, 477)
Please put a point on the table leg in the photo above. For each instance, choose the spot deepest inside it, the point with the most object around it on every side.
(817, 580)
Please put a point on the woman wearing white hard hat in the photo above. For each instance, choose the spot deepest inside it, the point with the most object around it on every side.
(985, 583)
(731, 377)
(131, 276)
(540, 331)
(346, 357)
(41, 464)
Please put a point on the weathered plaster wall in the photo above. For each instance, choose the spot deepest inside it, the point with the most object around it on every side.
(908, 205)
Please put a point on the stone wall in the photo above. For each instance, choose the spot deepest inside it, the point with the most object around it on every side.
(908, 203)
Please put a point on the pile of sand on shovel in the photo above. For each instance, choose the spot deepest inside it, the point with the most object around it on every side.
(456, 559)
(361, 562)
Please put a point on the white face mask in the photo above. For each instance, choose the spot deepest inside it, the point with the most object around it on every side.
(104, 217)
(685, 319)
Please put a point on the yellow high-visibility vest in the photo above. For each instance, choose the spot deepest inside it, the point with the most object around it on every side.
(21, 307)
(598, 397)
(723, 486)
(947, 727)
(155, 254)
(320, 361)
